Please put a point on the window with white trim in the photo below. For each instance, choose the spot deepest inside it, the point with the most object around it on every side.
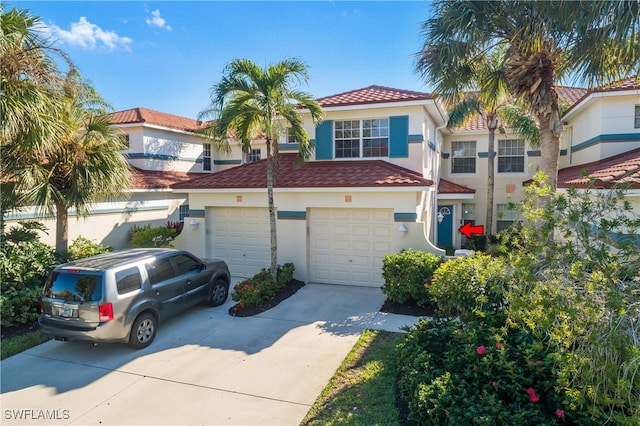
(506, 217)
(464, 157)
(468, 216)
(637, 117)
(362, 138)
(511, 156)
(206, 157)
(254, 155)
(183, 212)
(291, 138)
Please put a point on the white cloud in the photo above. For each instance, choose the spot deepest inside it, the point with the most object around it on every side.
(158, 21)
(87, 35)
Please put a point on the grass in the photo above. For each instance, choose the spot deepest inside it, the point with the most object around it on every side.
(16, 344)
(363, 389)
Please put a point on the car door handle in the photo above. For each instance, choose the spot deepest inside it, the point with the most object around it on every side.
(188, 282)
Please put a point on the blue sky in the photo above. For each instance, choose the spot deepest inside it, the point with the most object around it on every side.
(166, 55)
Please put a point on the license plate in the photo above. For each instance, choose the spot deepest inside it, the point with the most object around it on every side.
(65, 311)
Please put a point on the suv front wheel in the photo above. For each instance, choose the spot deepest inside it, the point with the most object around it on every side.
(219, 292)
(143, 331)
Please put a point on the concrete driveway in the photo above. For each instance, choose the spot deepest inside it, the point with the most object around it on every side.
(205, 367)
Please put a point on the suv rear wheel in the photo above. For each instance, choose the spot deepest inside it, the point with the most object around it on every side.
(143, 331)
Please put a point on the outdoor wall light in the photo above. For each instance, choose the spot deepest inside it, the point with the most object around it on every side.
(193, 224)
(402, 229)
(440, 217)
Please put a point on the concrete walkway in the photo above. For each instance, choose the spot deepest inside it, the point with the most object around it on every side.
(205, 367)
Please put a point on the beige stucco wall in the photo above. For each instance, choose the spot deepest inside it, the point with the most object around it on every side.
(292, 240)
(110, 222)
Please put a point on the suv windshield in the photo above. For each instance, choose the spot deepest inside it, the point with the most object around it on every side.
(77, 287)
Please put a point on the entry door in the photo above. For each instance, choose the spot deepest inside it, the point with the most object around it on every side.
(445, 228)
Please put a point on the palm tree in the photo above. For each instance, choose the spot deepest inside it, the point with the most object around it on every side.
(543, 43)
(85, 166)
(250, 101)
(29, 86)
(491, 101)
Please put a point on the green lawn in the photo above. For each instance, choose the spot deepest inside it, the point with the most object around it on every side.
(16, 344)
(363, 389)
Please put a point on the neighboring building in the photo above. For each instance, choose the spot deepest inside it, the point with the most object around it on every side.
(386, 175)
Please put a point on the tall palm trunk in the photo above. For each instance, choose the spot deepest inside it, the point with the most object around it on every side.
(62, 228)
(492, 124)
(272, 211)
(549, 147)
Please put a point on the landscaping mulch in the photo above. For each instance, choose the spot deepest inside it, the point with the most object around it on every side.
(18, 330)
(408, 308)
(291, 289)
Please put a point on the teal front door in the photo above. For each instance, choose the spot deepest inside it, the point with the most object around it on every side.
(444, 216)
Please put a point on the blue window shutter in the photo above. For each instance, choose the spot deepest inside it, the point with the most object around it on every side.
(324, 140)
(399, 136)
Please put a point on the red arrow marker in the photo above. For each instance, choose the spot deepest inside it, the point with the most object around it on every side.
(467, 229)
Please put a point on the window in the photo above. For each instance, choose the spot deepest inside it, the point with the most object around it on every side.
(468, 216)
(186, 264)
(291, 138)
(464, 157)
(160, 270)
(206, 157)
(183, 211)
(511, 156)
(128, 280)
(637, 121)
(254, 155)
(507, 217)
(362, 138)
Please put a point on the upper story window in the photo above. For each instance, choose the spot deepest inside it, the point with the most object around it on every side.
(254, 155)
(291, 138)
(362, 138)
(124, 138)
(511, 156)
(206, 157)
(637, 120)
(464, 157)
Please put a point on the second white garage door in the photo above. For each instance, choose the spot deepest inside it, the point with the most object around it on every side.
(347, 246)
(239, 236)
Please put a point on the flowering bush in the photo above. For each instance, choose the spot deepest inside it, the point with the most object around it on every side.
(407, 275)
(451, 374)
(262, 286)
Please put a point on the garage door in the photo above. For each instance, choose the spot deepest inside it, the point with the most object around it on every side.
(239, 236)
(347, 246)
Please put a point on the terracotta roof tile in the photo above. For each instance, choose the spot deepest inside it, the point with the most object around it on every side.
(314, 174)
(628, 83)
(448, 187)
(153, 179)
(619, 169)
(372, 95)
(149, 116)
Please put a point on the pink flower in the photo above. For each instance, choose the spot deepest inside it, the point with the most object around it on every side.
(499, 345)
(560, 413)
(481, 350)
(532, 395)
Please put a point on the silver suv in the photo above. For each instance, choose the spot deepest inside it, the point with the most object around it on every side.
(122, 296)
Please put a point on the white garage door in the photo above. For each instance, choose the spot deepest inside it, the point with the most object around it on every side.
(347, 246)
(239, 236)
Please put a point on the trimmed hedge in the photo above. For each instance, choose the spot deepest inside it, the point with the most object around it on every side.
(406, 275)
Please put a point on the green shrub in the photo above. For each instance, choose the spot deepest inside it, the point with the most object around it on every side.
(450, 374)
(262, 286)
(471, 288)
(152, 236)
(406, 275)
(82, 247)
(24, 264)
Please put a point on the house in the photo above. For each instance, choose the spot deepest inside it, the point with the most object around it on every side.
(386, 175)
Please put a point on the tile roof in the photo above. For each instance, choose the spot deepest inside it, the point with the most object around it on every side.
(372, 95)
(628, 83)
(571, 95)
(619, 169)
(153, 179)
(448, 187)
(313, 174)
(149, 116)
